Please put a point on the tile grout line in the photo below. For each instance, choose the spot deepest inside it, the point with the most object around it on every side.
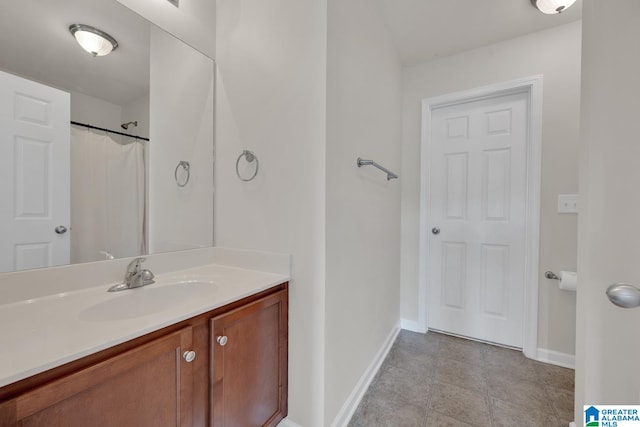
(443, 382)
(485, 374)
(432, 382)
(545, 389)
(548, 396)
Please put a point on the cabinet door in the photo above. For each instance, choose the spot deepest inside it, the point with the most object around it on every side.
(150, 385)
(249, 364)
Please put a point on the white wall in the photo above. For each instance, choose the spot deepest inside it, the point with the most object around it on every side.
(98, 112)
(94, 111)
(137, 111)
(362, 207)
(181, 117)
(270, 98)
(555, 53)
(606, 343)
(192, 22)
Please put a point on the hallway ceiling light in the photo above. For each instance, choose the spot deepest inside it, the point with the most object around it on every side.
(94, 41)
(551, 7)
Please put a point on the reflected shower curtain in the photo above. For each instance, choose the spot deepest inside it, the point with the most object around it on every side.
(107, 196)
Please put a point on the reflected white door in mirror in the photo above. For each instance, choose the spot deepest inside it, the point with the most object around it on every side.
(34, 172)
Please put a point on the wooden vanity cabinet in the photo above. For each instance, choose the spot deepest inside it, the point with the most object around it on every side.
(149, 381)
(249, 364)
(149, 385)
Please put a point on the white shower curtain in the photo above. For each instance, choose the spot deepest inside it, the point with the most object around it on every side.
(107, 195)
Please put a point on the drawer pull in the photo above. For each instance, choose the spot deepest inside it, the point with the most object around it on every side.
(189, 356)
(222, 340)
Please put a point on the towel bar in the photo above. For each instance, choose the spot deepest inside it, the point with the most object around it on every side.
(363, 162)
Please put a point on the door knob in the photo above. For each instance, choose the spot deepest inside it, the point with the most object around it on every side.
(189, 356)
(222, 340)
(61, 229)
(435, 230)
(623, 295)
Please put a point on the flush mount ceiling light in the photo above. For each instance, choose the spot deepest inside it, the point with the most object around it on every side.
(551, 7)
(94, 41)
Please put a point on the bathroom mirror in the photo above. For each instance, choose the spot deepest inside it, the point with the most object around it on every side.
(100, 156)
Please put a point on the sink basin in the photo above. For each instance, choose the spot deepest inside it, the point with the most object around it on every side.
(147, 300)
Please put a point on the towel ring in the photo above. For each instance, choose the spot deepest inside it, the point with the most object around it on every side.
(187, 169)
(250, 157)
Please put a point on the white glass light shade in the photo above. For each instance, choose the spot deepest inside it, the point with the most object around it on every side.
(94, 41)
(551, 7)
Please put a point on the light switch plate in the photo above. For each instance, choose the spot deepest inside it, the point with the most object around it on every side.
(568, 203)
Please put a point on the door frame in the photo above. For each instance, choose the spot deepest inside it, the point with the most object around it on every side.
(532, 86)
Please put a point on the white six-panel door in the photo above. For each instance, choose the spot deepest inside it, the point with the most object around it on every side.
(477, 218)
(34, 174)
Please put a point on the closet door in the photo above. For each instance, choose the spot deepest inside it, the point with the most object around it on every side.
(477, 212)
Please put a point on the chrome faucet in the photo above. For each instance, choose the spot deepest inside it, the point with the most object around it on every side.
(134, 277)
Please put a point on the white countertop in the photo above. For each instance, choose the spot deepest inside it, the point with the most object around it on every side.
(43, 333)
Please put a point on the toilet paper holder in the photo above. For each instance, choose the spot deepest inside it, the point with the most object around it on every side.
(551, 275)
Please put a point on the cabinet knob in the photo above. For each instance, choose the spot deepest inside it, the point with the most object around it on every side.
(189, 356)
(222, 340)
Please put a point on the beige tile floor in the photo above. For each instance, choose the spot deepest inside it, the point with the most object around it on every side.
(435, 380)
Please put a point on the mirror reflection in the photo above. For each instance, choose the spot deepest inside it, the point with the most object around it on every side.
(92, 137)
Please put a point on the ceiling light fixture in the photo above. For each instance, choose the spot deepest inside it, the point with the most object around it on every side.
(94, 41)
(551, 7)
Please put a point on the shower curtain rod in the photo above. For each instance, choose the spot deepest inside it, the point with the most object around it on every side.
(108, 130)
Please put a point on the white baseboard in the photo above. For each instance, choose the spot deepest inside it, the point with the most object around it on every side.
(288, 423)
(572, 424)
(412, 325)
(350, 406)
(556, 358)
